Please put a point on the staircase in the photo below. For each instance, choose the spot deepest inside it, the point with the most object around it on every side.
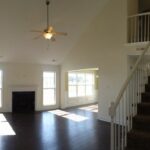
(130, 112)
(139, 137)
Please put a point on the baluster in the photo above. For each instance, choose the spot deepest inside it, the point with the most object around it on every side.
(135, 33)
(129, 30)
(115, 147)
(133, 87)
(132, 31)
(127, 109)
(138, 84)
(141, 38)
(143, 78)
(112, 134)
(123, 122)
(130, 105)
(148, 26)
(132, 100)
(136, 89)
(138, 30)
(118, 127)
(135, 93)
(126, 115)
(144, 27)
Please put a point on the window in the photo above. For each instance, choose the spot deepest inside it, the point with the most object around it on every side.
(49, 88)
(0, 88)
(80, 84)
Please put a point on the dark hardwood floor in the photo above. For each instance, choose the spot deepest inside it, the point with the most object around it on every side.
(48, 131)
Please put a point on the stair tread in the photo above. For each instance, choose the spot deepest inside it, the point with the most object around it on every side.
(142, 118)
(146, 92)
(139, 134)
(140, 140)
(144, 104)
(141, 123)
(132, 149)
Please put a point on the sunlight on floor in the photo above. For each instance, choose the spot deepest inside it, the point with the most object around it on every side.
(67, 115)
(92, 108)
(2, 118)
(76, 118)
(5, 127)
(59, 112)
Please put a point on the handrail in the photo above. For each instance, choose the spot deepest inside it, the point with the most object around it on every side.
(141, 14)
(118, 99)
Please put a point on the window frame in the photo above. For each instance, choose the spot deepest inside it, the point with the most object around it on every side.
(50, 88)
(1, 89)
(84, 84)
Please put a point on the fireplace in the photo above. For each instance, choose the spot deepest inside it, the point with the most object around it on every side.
(23, 101)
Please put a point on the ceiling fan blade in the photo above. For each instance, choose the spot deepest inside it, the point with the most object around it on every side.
(60, 33)
(37, 37)
(36, 31)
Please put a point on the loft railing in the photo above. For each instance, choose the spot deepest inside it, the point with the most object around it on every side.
(139, 28)
(125, 107)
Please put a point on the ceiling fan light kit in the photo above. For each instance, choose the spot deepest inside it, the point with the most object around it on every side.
(49, 32)
(48, 36)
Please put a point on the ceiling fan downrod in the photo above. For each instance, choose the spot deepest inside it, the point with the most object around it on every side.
(47, 4)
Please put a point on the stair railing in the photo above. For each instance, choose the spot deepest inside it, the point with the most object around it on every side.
(139, 28)
(125, 107)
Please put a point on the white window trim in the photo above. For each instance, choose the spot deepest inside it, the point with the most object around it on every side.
(85, 85)
(49, 88)
(1, 89)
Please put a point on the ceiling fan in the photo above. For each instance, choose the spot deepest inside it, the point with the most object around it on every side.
(49, 32)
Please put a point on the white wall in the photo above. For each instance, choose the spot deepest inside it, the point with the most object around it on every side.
(25, 76)
(102, 46)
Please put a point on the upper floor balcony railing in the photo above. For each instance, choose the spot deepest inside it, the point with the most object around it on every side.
(139, 28)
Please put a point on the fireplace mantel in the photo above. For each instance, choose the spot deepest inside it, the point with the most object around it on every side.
(23, 88)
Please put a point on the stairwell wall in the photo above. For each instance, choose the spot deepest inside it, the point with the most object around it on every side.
(102, 46)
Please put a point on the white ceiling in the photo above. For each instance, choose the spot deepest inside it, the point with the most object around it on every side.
(19, 17)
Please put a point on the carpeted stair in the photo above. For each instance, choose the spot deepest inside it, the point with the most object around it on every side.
(139, 137)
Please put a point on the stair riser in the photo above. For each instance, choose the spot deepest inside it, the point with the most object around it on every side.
(145, 98)
(148, 80)
(147, 88)
(143, 110)
(138, 143)
(132, 149)
(142, 126)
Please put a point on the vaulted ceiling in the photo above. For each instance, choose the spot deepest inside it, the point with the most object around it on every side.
(19, 17)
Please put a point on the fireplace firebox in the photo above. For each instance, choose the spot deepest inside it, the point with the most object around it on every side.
(23, 101)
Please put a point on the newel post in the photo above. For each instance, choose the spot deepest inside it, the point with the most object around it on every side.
(111, 113)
